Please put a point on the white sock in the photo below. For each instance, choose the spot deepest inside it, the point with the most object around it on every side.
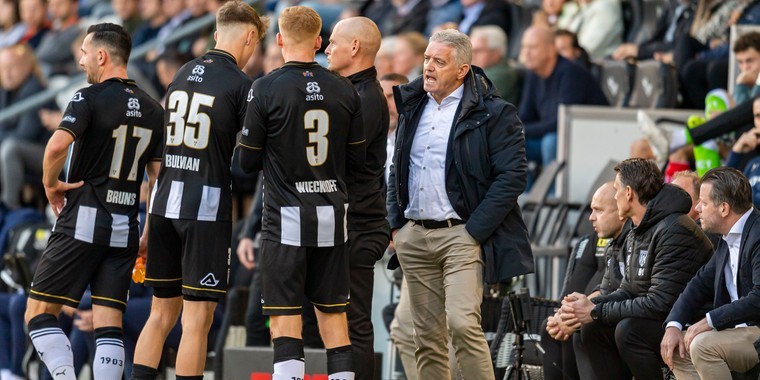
(341, 376)
(5, 374)
(53, 346)
(289, 369)
(109, 359)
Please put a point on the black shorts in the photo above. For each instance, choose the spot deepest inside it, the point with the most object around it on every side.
(288, 273)
(188, 257)
(69, 265)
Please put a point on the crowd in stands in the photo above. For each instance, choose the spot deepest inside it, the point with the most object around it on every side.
(538, 55)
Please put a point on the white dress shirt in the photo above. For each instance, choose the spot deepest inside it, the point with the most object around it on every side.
(390, 145)
(730, 271)
(428, 198)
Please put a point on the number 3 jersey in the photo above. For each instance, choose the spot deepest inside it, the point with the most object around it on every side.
(117, 128)
(205, 109)
(305, 118)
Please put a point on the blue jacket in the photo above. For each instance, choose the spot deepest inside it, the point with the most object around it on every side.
(710, 285)
(485, 171)
(749, 164)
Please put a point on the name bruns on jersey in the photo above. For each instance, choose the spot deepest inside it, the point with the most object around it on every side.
(324, 186)
(182, 162)
(121, 197)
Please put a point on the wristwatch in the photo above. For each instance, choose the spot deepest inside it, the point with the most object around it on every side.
(595, 312)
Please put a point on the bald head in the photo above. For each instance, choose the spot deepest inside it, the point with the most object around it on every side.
(354, 43)
(604, 214)
(538, 51)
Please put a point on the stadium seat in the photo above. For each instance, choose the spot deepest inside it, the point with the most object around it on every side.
(651, 11)
(615, 80)
(655, 85)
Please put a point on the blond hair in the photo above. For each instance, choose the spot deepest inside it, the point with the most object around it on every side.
(299, 24)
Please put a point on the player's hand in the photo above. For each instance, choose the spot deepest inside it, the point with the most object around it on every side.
(695, 330)
(142, 250)
(245, 253)
(56, 194)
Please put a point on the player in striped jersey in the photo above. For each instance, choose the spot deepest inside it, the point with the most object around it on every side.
(115, 129)
(190, 215)
(304, 127)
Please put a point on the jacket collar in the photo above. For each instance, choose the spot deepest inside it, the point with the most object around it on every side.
(365, 75)
(477, 87)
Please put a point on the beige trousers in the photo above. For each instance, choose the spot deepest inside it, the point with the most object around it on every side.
(714, 354)
(444, 274)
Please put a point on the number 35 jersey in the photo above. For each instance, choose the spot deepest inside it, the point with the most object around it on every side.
(304, 118)
(117, 128)
(205, 109)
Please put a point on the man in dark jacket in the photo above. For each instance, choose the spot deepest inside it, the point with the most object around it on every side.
(722, 340)
(459, 166)
(353, 46)
(621, 331)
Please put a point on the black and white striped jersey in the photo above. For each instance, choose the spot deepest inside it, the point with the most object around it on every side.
(205, 109)
(117, 128)
(307, 121)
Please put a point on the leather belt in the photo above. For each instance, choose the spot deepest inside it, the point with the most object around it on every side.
(435, 224)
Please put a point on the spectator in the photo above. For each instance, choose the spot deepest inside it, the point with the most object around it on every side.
(442, 12)
(167, 66)
(722, 340)
(34, 17)
(489, 52)
(128, 14)
(154, 19)
(384, 58)
(599, 26)
(468, 228)
(406, 16)
(568, 47)
(621, 331)
(484, 12)
(585, 271)
(387, 82)
(702, 56)
(20, 78)
(747, 50)
(407, 54)
(689, 182)
(11, 28)
(671, 26)
(551, 81)
(555, 13)
(744, 154)
(53, 52)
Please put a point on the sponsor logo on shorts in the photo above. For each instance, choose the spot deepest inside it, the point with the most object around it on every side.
(209, 280)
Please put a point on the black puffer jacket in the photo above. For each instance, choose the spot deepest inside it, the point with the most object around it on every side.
(663, 253)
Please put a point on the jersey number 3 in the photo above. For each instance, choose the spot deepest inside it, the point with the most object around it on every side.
(181, 119)
(319, 120)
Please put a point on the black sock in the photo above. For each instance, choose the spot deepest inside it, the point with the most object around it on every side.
(288, 358)
(340, 363)
(143, 372)
(189, 377)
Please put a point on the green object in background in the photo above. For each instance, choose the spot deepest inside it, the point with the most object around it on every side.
(706, 155)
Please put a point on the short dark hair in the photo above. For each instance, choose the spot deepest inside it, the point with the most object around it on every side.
(731, 186)
(572, 36)
(400, 78)
(238, 12)
(746, 41)
(643, 176)
(115, 38)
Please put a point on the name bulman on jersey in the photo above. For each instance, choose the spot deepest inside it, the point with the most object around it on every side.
(182, 162)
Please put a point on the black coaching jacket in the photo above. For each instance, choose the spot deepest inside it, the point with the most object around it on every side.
(663, 253)
(485, 171)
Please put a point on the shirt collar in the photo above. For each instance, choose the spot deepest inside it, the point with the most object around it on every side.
(738, 227)
(455, 96)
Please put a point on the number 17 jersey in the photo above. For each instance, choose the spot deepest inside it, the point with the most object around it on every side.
(304, 117)
(205, 109)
